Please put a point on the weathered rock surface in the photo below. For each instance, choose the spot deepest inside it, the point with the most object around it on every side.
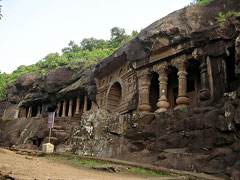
(205, 139)
(56, 84)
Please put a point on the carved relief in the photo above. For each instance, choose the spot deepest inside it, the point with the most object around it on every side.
(106, 98)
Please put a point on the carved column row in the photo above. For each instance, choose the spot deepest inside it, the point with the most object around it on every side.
(70, 107)
(144, 81)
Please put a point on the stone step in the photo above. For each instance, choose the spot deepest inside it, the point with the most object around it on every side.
(57, 127)
(61, 135)
(58, 130)
(53, 140)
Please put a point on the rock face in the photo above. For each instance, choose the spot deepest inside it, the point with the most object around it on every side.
(170, 97)
(35, 88)
(205, 139)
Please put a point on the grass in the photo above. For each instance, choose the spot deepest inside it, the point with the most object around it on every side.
(90, 163)
(77, 161)
(150, 173)
(223, 17)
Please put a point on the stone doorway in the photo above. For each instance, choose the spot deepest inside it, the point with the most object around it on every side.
(114, 96)
(34, 111)
(172, 87)
(154, 91)
(193, 82)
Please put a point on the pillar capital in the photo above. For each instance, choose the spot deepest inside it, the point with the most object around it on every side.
(181, 65)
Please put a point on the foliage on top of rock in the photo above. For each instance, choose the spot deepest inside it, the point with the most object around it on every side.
(89, 52)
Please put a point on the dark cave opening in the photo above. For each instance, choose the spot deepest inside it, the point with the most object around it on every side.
(154, 91)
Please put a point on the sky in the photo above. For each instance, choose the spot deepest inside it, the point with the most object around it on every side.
(31, 29)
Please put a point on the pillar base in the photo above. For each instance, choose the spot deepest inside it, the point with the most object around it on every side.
(204, 95)
(182, 102)
(48, 148)
(162, 104)
(145, 108)
(181, 106)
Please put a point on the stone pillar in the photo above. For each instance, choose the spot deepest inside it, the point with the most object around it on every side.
(39, 112)
(29, 112)
(64, 108)
(16, 114)
(85, 103)
(58, 109)
(70, 108)
(204, 92)
(163, 103)
(182, 100)
(144, 82)
(78, 106)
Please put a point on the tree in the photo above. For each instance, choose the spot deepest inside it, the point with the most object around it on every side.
(91, 43)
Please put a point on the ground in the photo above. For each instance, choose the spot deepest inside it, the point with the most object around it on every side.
(24, 167)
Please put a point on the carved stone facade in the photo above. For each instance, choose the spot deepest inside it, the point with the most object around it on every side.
(116, 89)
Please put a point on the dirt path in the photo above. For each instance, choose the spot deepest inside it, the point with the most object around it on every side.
(30, 168)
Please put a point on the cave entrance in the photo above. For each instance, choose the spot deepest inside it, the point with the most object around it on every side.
(172, 93)
(193, 82)
(37, 141)
(52, 108)
(61, 110)
(74, 105)
(114, 96)
(89, 104)
(154, 91)
(34, 111)
(232, 82)
(67, 108)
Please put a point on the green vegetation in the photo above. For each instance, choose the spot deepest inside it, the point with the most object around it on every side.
(90, 51)
(199, 2)
(150, 173)
(203, 2)
(77, 161)
(3, 85)
(223, 17)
